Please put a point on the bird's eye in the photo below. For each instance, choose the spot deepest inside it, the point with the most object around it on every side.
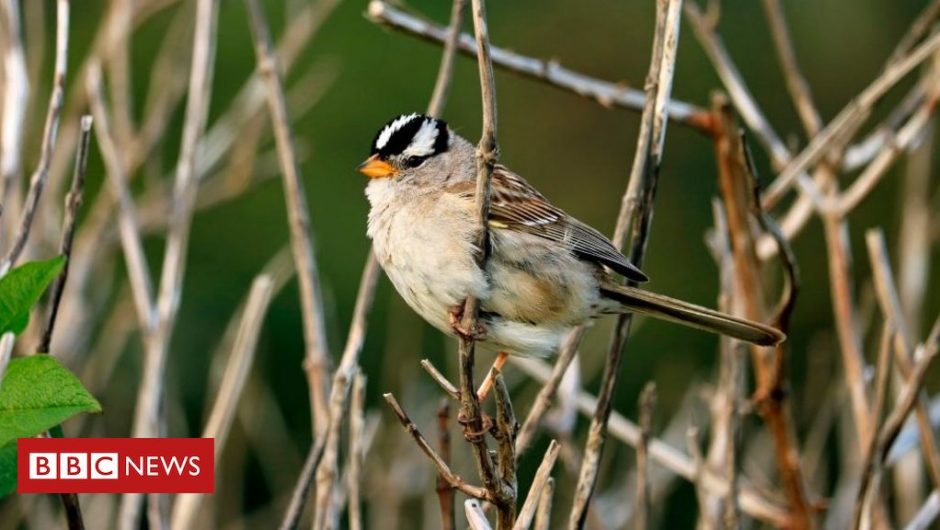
(414, 161)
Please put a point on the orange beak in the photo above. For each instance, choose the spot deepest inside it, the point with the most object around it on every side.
(374, 168)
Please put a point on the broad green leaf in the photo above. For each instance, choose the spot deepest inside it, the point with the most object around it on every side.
(21, 288)
(8, 469)
(38, 393)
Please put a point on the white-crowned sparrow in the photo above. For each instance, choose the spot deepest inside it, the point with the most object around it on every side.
(547, 272)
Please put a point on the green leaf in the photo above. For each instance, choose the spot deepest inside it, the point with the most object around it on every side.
(38, 393)
(7, 469)
(21, 288)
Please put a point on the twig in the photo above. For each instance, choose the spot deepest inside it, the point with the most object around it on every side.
(445, 493)
(725, 428)
(240, 362)
(357, 425)
(505, 435)
(302, 489)
(892, 426)
(796, 83)
(849, 119)
(914, 256)
(15, 103)
(147, 419)
(918, 30)
(636, 210)
(73, 203)
(445, 72)
(891, 306)
(487, 153)
(38, 180)
(453, 479)
(744, 101)
(698, 461)
(753, 501)
(543, 400)
(550, 72)
(326, 514)
(703, 28)
(647, 405)
(927, 514)
(441, 380)
(867, 497)
(898, 142)
(539, 490)
(476, 518)
(742, 206)
(316, 358)
(543, 517)
(843, 307)
(137, 269)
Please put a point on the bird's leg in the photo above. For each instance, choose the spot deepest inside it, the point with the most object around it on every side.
(456, 322)
(488, 382)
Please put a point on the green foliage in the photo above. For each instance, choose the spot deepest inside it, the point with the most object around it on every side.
(37, 393)
(21, 288)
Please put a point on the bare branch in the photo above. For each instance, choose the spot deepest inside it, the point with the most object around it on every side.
(927, 514)
(848, 120)
(137, 269)
(543, 516)
(453, 479)
(316, 358)
(796, 83)
(38, 180)
(73, 203)
(753, 501)
(219, 424)
(550, 72)
(539, 491)
(647, 406)
(636, 210)
(357, 448)
(327, 473)
(445, 493)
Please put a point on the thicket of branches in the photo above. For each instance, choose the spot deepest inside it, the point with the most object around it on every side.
(885, 473)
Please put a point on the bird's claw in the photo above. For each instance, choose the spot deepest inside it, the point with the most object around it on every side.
(476, 333)
(475, 436)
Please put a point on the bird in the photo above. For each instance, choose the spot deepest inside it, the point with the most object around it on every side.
(546, 271)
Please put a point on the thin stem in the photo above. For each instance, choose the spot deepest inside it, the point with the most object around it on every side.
(605, 93)
(536, 499)
(73, 203)
(316, 358)
(56, 100)
(636, 211)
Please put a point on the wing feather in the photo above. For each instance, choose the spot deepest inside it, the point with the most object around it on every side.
(515, 205)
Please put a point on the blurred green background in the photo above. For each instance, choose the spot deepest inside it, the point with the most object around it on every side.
(575, 151)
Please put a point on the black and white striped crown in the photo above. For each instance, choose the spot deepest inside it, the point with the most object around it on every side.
(412, 136)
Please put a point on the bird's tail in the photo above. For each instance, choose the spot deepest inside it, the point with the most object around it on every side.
(635, 300)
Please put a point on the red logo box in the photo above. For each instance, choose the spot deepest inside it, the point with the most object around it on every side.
(115, 465)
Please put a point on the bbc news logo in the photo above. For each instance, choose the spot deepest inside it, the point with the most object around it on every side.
(115, 465)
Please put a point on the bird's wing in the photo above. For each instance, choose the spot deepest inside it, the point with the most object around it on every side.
(515, 205)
